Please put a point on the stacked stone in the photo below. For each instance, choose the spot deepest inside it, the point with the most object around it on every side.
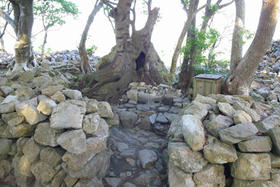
(50, 135)
(224, 141)
(266, 86)
(148, 107)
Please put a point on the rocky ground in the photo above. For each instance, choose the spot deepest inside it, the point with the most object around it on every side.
(53, 136)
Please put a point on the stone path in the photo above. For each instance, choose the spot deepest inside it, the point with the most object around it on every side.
(139, 145)
(138, 159)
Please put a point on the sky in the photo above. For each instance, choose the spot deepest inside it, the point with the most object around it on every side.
(165, 35)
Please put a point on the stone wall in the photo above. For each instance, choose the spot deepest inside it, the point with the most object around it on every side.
(149, 107)
(50, 135)
(224, 141)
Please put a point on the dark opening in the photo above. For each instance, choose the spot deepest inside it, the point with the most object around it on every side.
(140, 61)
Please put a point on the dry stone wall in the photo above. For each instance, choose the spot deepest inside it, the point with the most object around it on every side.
(224, 141)
(50, 135)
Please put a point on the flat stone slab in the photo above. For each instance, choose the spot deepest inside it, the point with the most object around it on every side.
(67, 115)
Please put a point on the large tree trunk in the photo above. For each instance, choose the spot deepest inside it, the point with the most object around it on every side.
(186, 73)
(240, 79)
(237, 36)
(85, 67)
(23, 19)
(133, 58)
(179, 46)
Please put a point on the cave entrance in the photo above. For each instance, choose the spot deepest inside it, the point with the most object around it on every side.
(140, 61)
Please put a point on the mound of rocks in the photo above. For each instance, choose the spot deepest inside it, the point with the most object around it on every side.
(266, 86)
(224, 141)
(50, 135)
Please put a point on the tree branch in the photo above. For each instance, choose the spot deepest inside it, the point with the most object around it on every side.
(5, 27)
(7, 18)
(226, 4)
(134, 17)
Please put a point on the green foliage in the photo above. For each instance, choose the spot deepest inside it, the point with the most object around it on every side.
(203, 44)
(201, 41)
(247, 35)
(54, 12)
(39, 50)
(214, 8)
(219, 68)
(91, 50)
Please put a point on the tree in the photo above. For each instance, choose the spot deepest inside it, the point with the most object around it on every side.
(243, 69)
(210, 10)
(85, 67)
(22, 25)
(198, 40)
(133, 58)
(5, 9)
(53, 13)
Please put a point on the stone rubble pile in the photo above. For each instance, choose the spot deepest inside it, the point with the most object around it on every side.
(266, 85)
(50, 135)
(224, 140)
(58, 58)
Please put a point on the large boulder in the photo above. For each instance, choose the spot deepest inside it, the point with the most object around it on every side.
(181, 156)
(275, 137)
(43, 172)
(128, 118)
(178, 178)
(77, 161)
(91, 123)
(226, 109)
(105, 110)
(256, 144)
(30, 112)
(46, 135)
(8, 104)
(46, 106)
(193, 132)
(218, 152)
(218, 123)
(68, 115)
(211, 175)
(237, 133)
(5, 147)
(241, 117)
(251, 166)
(97, 166)
(73, 141)
(197, 109)
(268, 123)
